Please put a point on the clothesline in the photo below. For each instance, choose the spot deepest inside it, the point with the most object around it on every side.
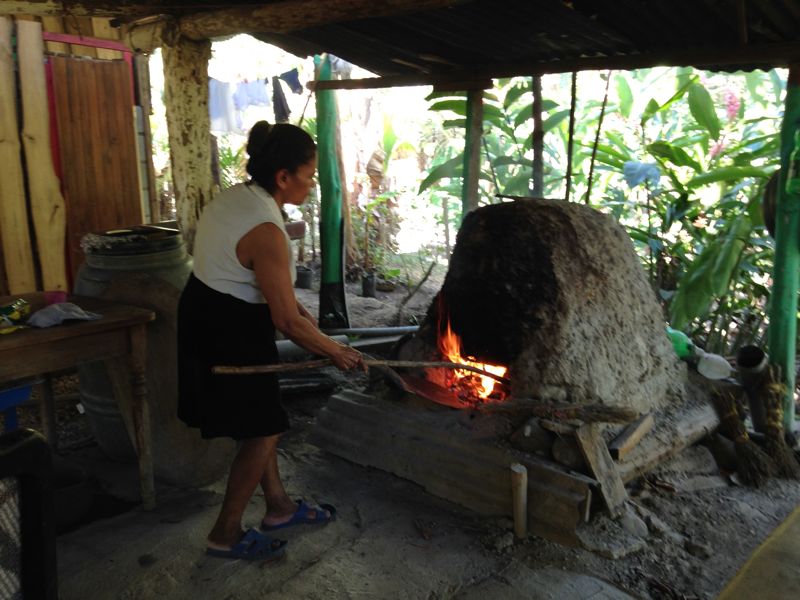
(228, 101)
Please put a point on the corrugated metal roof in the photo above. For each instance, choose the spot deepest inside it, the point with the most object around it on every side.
(501, 36)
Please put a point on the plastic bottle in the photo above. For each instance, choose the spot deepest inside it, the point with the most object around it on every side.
(681, 343)
(793, 174)
(713, 366)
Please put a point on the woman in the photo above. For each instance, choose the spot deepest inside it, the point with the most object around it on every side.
(240, 292)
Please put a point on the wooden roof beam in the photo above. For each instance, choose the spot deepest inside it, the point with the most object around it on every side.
(79, 8)
(277, 17)
(766, 56)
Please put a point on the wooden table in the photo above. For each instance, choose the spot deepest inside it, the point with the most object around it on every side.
(119, 334)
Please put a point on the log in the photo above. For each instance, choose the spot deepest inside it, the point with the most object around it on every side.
(47, 204)
(630, 436)
(17, 256)
(594, 450)
(519, 496)
(370, 362)
(665, 442)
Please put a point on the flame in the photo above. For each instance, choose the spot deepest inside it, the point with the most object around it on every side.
(480, 385)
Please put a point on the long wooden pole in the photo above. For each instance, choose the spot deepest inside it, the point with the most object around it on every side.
(783, 299)
(538, 138)
(47, 205)
(370, 362)
(571, 135)
(17, 256)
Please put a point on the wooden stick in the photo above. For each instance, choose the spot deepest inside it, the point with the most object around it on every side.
(371, 362)
(630, 436)
(519, 495)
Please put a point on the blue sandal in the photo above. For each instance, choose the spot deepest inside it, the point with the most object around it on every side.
(253, 546)
(302, 516)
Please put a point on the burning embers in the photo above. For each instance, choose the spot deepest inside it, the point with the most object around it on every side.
(468, 386)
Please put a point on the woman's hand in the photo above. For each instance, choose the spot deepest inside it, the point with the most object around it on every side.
(348, 359)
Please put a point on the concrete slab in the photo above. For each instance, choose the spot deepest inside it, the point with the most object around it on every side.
(519, 582)
(373, 550)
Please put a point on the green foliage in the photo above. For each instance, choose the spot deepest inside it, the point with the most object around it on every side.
(682, 169)
(232, 161)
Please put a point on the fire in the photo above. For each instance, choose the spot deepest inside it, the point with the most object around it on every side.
(478, 385)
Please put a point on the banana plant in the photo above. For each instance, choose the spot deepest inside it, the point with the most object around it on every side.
(701, 228)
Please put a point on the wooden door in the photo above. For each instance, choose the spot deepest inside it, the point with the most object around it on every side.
(97, 146)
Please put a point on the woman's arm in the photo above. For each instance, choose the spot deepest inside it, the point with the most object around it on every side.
(304, 313)
(263, 249)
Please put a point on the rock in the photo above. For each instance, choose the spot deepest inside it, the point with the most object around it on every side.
(566, 452)
(694, 460)
(504, 542)
(532, 437)
(658, 527)
(608, 538)
(698, 549)
(702, 482)
(631, 523)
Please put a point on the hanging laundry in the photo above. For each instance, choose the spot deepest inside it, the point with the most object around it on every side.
(279, 104)
(221, 109)
(251, 93)
(292, 79)
(340, 68)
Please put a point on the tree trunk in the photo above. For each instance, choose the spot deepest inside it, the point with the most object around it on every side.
(186, 101)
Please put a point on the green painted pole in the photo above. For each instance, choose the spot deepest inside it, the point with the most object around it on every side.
(783, 298)
(332, 304)
(472, 151)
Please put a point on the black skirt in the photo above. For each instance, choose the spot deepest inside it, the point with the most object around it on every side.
(218, 329)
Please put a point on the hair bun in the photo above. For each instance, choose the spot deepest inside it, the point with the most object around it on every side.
(258, 138)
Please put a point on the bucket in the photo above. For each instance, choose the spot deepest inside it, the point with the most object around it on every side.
(368, 285)
(304, 277)
(146, 266)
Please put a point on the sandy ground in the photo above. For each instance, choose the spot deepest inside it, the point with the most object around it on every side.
(686, 532)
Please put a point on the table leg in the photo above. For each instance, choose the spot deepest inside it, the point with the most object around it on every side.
(141, 414)
(47, 411)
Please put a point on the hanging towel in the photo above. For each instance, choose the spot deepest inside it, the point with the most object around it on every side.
(279, 104)
(220, 106)
(292, 79)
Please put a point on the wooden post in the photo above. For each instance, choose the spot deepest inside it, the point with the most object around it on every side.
(783, 300)
(17, 257)
(472, 151)
(186, 102)
(571, 136)
(538, 138)
(141, 79)
(519, 494)
(47, 204)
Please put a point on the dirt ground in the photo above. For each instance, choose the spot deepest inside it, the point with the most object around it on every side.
(687, 530)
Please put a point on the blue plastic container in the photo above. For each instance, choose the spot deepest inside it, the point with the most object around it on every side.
(9, 400)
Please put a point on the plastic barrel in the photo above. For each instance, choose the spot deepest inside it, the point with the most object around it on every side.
(146, 266)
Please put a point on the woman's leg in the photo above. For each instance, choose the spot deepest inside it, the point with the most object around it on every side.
(280, 507)
(247, 469)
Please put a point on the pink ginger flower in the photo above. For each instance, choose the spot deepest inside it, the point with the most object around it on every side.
(716, 149)
(732, 105)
